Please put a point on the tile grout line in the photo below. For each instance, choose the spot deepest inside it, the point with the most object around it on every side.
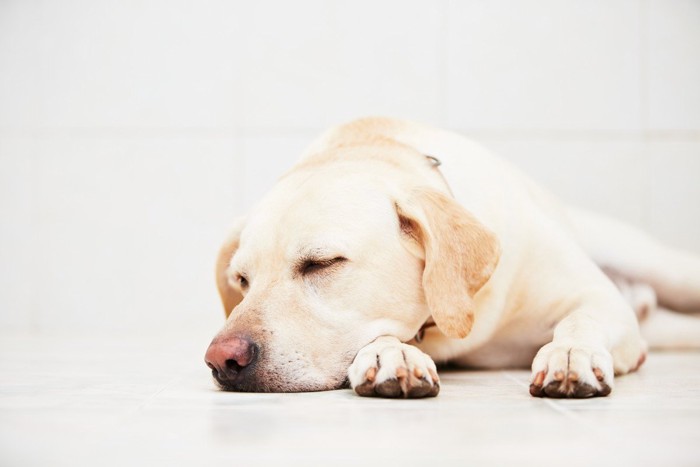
(645, 110)
(443, 61)
(236, 132)
(644, 51)
(153, 396)
(554, 404)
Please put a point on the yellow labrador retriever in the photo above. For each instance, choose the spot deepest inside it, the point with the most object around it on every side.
(369, 261)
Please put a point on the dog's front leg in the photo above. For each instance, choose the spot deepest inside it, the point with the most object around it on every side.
(591, 345)
(388, 368)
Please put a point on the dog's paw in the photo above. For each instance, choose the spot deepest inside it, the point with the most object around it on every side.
(388, 368)
(571, 371)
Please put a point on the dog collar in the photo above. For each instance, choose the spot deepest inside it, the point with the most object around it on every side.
(436, 163)
(434, 160)
(421, 332)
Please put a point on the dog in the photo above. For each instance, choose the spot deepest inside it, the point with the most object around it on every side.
(392, 245)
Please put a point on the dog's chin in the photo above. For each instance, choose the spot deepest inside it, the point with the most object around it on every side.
(279, 385)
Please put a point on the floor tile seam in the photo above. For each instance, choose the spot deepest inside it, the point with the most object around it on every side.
(555, 405)
(146, 402)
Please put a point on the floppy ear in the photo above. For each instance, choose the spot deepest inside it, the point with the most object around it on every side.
(460, 256)
(230, 297)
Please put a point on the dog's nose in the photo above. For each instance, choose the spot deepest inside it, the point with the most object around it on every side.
(228, 357)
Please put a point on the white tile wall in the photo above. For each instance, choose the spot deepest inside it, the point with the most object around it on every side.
(675, 189)
(312, 63)
(544, 64)
(674, 64)
(131, 133)
(18, 228)
(119, 64)
(611, 177)
(119, 233)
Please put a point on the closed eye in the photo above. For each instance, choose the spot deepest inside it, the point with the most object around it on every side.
(314, 266)
(241, 281)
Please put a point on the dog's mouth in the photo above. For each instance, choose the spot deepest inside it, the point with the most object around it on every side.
(275, 386)
(233, 377)
(250, 379)
(228, 387)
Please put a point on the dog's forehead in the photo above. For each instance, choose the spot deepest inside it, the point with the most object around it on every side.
(318, 210)
(322, 198)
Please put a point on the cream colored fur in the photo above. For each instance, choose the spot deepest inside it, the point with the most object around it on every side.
(509, 276)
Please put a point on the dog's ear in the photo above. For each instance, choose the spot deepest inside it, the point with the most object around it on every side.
(460, 255)
(230, 296)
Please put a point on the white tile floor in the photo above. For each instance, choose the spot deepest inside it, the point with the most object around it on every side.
(108, 401)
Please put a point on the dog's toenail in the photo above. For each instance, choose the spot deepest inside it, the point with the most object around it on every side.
(434, 376)
(598, 374)
(539, 379)
(371, 374)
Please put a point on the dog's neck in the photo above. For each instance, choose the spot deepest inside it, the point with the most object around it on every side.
(429, 323)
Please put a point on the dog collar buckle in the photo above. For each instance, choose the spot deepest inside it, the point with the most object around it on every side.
(421, 332)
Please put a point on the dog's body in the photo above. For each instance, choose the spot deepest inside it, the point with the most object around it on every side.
(366, 243)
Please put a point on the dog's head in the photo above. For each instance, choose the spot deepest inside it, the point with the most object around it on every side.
(336, 255)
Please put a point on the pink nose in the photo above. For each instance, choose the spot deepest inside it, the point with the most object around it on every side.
(228, 357)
